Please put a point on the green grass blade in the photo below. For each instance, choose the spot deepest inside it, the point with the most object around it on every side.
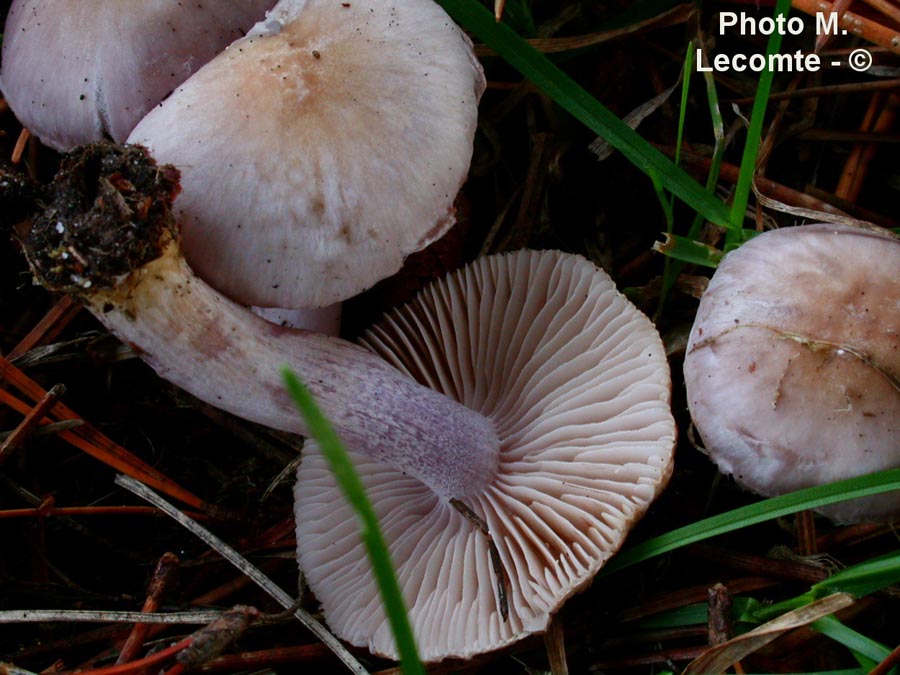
(718, 129)
(851, 639)
(572, 97)
(851, 671)
(670, 272)
(687, 250)
(682, 108)
(858, 580)
(754, 132)
(863, 578)
(664, 202)
(352, 487)
(768, 509)
(718, 126)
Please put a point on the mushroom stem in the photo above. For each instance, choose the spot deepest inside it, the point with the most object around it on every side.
(112, 204)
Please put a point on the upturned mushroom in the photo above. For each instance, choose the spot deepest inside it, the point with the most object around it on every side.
(560, 437)
(316, 153)
(321, 149)
(75, 72)
(109, 237)
(574, 382)
(793, 364)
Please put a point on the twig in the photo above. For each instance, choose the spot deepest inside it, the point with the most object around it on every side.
(163, 578)
(887, 664)
(719, 624)
(879, 119)
(661, 602)
(854, 23)
(675, 15)
(554, 642)
(767, 567)
(827, 90)
(885, 7)
(720, 657)
(839, 7)
(19, 148)
(854, 534)
(496, 562)
(286, 474)
(102, 616)
(256, 661)
(46, 510)
(236, 559)
(32, 419)
(51, 325)
(729, 173)
(10, 669)
(142, 665)
(47, 429)
(806, 534)
(210, 641)
(90, 440)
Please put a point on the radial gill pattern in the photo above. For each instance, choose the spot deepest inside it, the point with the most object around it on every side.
(575, 380)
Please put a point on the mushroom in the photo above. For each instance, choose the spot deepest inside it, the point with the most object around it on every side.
(321, 149)
(560, 437)
(574, 381)
(109, 237)
(74, 72)
(793, 363)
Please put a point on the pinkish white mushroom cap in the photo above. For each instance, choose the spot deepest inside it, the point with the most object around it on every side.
(575, 382)
(320, 150)
(793, 364)
(74, 72)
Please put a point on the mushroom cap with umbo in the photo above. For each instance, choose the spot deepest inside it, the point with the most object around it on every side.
(575, 381)
(321, 149)
(74, 72)
(793, 364)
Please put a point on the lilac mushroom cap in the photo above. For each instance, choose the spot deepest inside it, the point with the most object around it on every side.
(575, 382)
(321, 149)
(74, 72)
(793, 364)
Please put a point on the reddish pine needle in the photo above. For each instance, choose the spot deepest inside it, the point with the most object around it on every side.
(140, 665)
(90, 440)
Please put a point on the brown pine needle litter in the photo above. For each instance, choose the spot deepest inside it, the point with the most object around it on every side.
(88, 439)
(96, 580)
